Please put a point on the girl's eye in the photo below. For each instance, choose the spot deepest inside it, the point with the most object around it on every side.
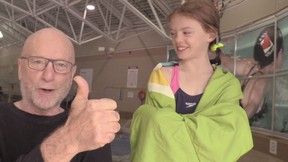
(186, 33)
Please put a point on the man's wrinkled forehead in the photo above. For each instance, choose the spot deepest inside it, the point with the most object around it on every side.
(50, 39)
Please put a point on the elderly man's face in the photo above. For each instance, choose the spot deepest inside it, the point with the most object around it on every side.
(47, 88)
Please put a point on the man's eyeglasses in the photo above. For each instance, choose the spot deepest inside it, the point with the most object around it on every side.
(40, 63)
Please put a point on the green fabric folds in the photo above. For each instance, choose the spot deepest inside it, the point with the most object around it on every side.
(218, 131)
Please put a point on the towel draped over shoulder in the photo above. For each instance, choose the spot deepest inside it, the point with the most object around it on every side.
(218, 131)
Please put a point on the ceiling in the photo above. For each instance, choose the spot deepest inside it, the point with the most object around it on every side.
(111, 19)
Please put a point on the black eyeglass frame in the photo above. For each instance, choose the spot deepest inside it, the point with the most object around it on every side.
(48, 60)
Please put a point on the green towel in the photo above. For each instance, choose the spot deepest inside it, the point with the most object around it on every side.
(218, 131)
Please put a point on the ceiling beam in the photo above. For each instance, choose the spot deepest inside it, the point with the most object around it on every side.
(76, 14)
(144, 18)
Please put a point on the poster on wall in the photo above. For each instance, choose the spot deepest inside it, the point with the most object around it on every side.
(260, 55)
(273, 112)
(281, 82)
(87, 74)
(132, 77)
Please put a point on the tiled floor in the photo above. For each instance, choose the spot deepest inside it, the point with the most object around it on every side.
(252, 156)
(257, 156)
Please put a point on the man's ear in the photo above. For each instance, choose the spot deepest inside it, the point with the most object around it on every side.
(74, 68)
(19, 69)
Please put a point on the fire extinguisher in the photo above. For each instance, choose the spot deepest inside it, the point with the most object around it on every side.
(142, 96)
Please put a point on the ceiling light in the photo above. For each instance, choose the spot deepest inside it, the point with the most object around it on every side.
(1, 35)
(90, 7)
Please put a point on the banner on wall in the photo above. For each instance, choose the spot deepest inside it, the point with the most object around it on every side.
(87, 74)
(132, 77)
(261, 55)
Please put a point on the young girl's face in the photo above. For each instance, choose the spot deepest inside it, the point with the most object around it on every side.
(188, 37)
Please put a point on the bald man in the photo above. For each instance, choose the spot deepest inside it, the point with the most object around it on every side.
(36, 128)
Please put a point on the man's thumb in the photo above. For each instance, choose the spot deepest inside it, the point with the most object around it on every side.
(82, 90)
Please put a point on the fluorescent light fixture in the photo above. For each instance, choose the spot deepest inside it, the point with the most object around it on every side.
(100, 49)
(1, 35)
(111, 49)
(90, 7)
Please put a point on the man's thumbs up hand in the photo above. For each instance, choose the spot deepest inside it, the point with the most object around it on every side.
(81, 98)
(91, 123)
(82, 90)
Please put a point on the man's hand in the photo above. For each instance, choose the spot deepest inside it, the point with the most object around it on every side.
(92, 123)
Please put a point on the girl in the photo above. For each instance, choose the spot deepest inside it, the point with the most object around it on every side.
(192, 111)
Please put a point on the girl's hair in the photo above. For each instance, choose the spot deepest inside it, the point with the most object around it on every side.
(205, 12)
